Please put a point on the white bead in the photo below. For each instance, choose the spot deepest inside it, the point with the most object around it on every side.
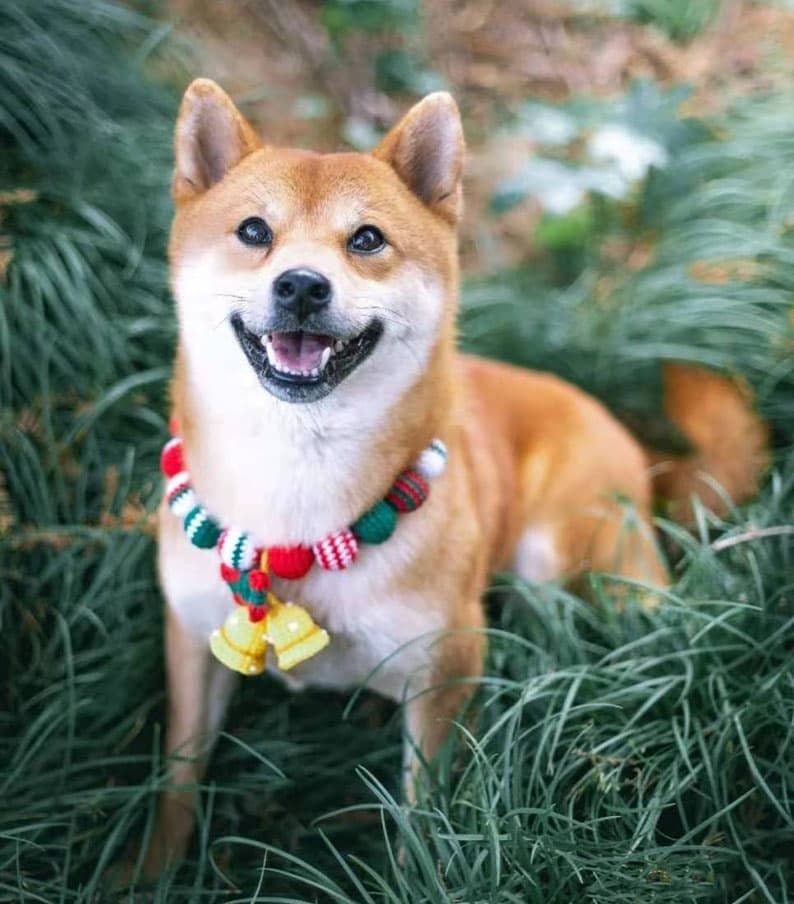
(433, 460)
(184, 503)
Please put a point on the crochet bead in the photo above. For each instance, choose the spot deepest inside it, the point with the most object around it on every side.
(377, 524)
(337, 550)
(179, 495)
(236, 548)
(258, 580)
(201, 528)
(183, 503)
(432, 461)
(171, 459)
(290, 562)
(408, 492)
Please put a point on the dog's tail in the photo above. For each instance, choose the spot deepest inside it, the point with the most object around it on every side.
(729, 442)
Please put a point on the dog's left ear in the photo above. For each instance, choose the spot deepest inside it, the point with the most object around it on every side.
(426, 150)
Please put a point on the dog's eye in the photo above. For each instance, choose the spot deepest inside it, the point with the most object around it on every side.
(366, 240)
(254, 231)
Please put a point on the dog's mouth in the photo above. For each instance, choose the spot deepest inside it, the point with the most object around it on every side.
(302, 366)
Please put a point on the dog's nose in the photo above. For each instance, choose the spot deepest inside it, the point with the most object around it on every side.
(301, 292)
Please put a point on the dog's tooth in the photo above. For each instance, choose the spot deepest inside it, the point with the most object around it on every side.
(326, 357)
(271, 352)
(339, 345)
(314, 373)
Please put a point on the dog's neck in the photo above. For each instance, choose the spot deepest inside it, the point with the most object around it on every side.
(294, 473)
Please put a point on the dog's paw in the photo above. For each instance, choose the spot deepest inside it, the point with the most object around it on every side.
(130, 877)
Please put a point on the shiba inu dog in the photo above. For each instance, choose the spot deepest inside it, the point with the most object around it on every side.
(316, 298)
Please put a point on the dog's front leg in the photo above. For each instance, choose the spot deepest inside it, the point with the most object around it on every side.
(431, 713)
(199, 689)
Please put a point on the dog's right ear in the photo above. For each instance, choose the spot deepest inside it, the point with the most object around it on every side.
(212, 136)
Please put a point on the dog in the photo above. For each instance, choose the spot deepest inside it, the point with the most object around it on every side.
(316, 297)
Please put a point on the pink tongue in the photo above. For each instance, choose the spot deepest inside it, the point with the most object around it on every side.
(299, 351)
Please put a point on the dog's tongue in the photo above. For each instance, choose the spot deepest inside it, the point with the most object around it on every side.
(300, 351)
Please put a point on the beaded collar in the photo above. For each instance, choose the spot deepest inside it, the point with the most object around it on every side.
(260, 619)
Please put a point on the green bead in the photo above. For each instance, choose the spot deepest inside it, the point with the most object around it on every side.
(201, 528)
(377, 524)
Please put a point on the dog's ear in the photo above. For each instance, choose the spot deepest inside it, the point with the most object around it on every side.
(211, 137)
(426, 150)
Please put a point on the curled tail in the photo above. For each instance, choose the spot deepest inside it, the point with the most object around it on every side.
(730, 442)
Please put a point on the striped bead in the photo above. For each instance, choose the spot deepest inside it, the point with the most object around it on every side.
(179, 494)
(337, 550)
(236, 549)
(408, 492)
(432, 461)
(201, 528)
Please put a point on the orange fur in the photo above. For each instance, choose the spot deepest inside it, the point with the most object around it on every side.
(539, 473)
(730, 442)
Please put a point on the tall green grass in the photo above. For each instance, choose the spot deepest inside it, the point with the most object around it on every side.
(615, 756)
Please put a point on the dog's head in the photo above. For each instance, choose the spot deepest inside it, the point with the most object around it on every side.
(328, 270)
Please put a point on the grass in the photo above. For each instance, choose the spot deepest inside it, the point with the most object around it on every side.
(616, 756)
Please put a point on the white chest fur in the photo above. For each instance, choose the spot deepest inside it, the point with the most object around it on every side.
(288, 479)
(380, 633)
(292, 474)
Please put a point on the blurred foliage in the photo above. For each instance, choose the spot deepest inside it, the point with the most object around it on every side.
(399, 65)
(689, 260)
(617, 756)
(341, 17)
(680, 19)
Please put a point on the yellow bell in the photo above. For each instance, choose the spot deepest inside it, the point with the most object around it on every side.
(241, 644)
(293, 633)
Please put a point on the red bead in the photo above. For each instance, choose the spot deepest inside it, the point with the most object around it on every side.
(171, 459)
(408, 492)
(229, 574)
(258, 581)
(257, 613)
(336, 551)
(290, 562)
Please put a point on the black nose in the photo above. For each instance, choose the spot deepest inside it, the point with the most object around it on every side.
(301, 292)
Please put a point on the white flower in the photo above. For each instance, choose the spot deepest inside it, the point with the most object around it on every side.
(631, 153)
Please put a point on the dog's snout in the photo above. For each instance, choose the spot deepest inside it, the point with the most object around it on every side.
(301, 292)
